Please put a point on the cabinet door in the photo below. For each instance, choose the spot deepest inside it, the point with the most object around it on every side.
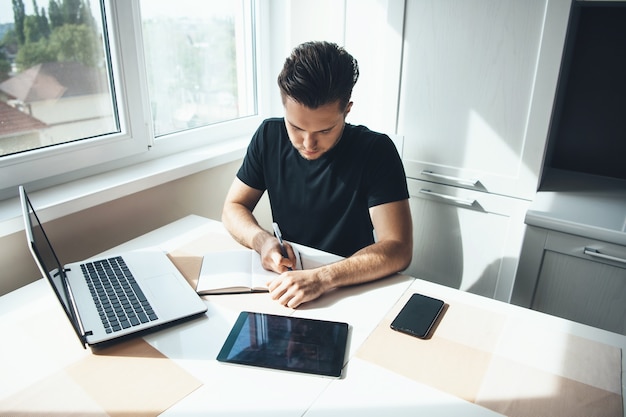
(465, 239)
(478, 83)
(592, 293)
(584, 280)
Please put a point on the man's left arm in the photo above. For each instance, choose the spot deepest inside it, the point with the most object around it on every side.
(391, 253)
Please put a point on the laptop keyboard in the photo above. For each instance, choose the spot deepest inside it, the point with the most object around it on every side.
(120, 301)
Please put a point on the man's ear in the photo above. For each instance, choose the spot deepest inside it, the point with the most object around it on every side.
(348, 108)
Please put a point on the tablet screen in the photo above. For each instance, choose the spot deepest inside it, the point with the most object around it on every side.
(287, 343)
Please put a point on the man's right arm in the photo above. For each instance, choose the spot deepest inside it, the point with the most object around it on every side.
(238, 219)
(237, 214)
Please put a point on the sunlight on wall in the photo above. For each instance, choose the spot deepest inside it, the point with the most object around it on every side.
(377, 46)
(483, 266)
(322, 20)
(486, 150)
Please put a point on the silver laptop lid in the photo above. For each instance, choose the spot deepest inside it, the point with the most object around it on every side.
(48, 262)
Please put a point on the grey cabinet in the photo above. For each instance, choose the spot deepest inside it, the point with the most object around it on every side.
(574, 277)
(573, 258)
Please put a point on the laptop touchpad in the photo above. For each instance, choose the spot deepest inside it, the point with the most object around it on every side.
(168, 291)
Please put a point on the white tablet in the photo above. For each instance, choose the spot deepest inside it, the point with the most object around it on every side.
(287, 343)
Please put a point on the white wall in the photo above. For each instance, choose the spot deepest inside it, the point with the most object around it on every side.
(374, 37)
(370, 30)
(292, 22)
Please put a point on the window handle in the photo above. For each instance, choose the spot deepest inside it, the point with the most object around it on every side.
(596, 254)
(464, 181)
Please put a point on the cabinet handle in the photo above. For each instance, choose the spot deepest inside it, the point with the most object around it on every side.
(464, 181)
(463, 201)
(596, 254)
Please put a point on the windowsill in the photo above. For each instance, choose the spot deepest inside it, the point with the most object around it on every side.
(62, 200)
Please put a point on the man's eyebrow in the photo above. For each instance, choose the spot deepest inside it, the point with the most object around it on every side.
(292, 125)
(322, 130)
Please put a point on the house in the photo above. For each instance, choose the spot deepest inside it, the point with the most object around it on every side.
(68, 97)
(18, 130)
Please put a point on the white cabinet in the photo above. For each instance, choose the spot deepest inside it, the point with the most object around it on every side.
(478, 84)
(466, 239)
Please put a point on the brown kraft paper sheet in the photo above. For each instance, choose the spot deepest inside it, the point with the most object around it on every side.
(128, 378)
(511, 368)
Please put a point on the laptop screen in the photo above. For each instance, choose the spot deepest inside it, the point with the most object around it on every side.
(45, 257)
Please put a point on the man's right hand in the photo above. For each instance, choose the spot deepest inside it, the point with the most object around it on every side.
(272, 258)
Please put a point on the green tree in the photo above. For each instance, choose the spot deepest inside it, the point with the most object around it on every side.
(9, 42)
(33, 53)
(72, 42)
(19, 14)
(86, 16)
(67, 35)
(5, 66)
(32, 32)
(55, 15)
(71, 11)
(42, 21)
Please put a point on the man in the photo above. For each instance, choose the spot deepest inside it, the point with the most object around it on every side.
(331, 185)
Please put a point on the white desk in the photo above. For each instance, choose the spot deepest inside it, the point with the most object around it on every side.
(37, 342)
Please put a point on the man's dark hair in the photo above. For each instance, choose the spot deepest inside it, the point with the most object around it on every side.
(319, 73)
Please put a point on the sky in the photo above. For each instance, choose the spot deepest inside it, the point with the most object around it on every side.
(6, 11)
(171, 8)
(6, 8)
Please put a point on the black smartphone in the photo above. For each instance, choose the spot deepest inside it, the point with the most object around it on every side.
(418, 315)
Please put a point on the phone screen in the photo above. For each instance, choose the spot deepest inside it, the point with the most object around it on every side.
(418, 315)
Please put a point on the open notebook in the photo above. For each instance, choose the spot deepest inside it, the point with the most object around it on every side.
(235, 271)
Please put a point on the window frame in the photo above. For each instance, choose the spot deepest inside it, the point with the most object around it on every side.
(136, 143)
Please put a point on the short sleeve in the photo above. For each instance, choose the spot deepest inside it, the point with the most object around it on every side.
(251, 170)
(386, 178)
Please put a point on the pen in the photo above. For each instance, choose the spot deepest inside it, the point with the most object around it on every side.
(279, 236)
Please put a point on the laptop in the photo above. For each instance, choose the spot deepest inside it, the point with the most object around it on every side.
(114, 296)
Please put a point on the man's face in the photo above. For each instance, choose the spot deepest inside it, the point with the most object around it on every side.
(313, 132)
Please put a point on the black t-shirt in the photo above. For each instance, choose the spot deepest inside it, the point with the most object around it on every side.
(324, 203)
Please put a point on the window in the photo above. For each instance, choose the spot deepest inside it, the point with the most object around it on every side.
(55, 85)
(197, 68)
(80, 81)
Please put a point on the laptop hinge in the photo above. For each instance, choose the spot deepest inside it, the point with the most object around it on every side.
(83, 334)
(56, 274)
